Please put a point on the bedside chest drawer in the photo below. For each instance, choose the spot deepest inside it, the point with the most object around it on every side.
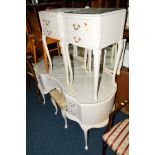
(81, 32)
(49, 26)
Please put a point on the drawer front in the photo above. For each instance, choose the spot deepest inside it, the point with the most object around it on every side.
(72, 107)
(49, 26)
(81, 32)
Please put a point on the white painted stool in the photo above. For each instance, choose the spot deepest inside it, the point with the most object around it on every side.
(57, 98)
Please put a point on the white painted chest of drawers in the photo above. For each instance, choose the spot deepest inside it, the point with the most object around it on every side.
(52, 22)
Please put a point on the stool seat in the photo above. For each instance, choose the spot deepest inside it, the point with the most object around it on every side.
(59, 98)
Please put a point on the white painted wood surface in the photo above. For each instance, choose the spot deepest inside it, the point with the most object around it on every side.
(89, 97)
(91, 31)
(79, 96)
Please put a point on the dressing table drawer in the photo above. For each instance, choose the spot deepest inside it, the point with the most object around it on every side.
(72, 106)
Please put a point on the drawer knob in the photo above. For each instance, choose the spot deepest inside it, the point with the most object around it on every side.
(73, 113)
(76, 27)
(77, 39)
(72, 105)
(46, 21)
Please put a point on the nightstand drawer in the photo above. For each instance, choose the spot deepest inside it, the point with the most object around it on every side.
(81, 32)
(49, 26)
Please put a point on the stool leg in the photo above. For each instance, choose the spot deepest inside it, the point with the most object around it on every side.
(63, 112)
(54, 103)
(43, 97)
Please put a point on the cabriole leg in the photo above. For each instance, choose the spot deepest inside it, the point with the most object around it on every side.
(56, 108)
(85, 59)
(97, 54)
(75, 51)
(85, 130)
(63, 112)
(64, 60)
(67, 57)
(47, 52)
(87, 54)
(43, 97)
(89, 61)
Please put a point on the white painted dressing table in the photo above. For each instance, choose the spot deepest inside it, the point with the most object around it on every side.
(88, 102)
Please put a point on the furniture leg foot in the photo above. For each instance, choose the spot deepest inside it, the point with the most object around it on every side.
(63, 112)
(43, 97)
(66, 126)
(86, 147)
(85, 130)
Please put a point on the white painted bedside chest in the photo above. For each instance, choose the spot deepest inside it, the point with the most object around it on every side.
(94, 29)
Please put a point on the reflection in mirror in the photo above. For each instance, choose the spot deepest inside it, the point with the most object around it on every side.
(109, 55)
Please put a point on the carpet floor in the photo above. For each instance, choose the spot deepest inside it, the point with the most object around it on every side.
(46, 135)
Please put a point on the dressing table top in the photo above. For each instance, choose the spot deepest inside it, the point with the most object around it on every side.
(82, 88)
